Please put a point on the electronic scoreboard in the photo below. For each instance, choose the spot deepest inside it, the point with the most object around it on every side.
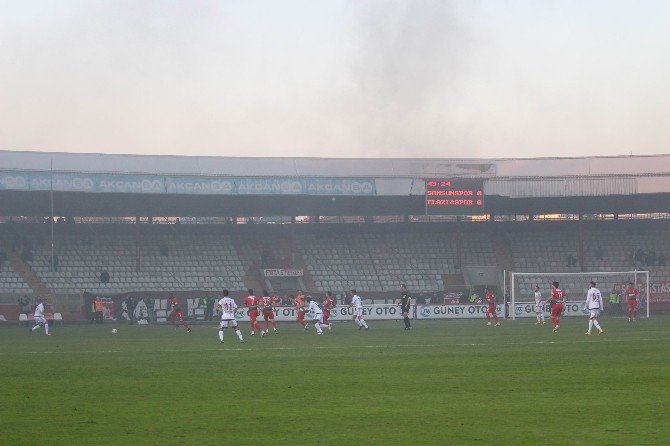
(455, 196)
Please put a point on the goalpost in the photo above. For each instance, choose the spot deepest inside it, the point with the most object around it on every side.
(575, 285)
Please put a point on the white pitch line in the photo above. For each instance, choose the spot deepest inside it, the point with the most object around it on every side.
(339, 347)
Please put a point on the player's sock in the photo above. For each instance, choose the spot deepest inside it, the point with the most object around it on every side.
(542, 316)
(406, 322)
(239, 335)
(554, 320)
(221, 335)
(35, 327)
(590, 325)
(635, 314)
(595, 322)
(274, 325)
(46, 328)
(186, 326)
(318, 328)
(363, 324)
(488, 317)
(495, 317)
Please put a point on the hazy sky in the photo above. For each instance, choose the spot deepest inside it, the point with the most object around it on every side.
(336, 78)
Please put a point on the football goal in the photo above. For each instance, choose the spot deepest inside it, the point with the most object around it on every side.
(520, 287)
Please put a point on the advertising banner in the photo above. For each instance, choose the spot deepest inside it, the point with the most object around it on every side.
(370, 312)
(527, 309)
(659, 291)
(466, 311)
(184, 184)
(269, 186)
(293, 272)
(81, 182)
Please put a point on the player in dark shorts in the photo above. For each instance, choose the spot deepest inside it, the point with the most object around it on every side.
(405, 305)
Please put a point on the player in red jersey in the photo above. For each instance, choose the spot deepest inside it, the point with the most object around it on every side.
(327, 305)
(491, 309)
(251, 303)
(176, 313)
(556, 301)
(631, 300)
(299, 305)
(267, 304)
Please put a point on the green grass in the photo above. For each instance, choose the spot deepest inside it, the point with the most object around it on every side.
(445, 382)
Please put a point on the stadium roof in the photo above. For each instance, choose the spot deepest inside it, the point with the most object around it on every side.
(333, 167)
(113, 185)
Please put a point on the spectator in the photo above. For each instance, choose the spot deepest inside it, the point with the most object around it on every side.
(26, 255)
(651, 258)
(24, 305)
(130, 307)
(209, 311)
(639, 257)
(599, 253)
(572, 260)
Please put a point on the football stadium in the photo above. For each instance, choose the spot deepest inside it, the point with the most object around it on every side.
(460, 306)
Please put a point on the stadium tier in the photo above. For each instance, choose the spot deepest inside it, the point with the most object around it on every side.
(11, 282)
(607, 246)
(370, 258)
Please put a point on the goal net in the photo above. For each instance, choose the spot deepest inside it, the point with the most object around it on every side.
(613, 285)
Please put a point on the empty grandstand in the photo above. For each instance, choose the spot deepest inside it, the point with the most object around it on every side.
(79, 225)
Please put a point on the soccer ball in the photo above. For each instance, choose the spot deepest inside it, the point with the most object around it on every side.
(114, 331)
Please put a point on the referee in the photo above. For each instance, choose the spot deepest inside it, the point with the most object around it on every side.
(405, 304)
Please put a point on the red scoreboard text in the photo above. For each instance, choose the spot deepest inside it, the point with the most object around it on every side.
(456, 196)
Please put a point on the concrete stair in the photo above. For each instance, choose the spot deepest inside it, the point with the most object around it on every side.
(26, 273)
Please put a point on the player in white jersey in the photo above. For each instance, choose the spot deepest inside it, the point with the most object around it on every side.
(227, 307)
(357, 303)
(40, 320)
(317, 315)
(539, 304)
(594, 303)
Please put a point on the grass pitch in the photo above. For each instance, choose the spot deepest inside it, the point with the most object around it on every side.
(444, 382)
